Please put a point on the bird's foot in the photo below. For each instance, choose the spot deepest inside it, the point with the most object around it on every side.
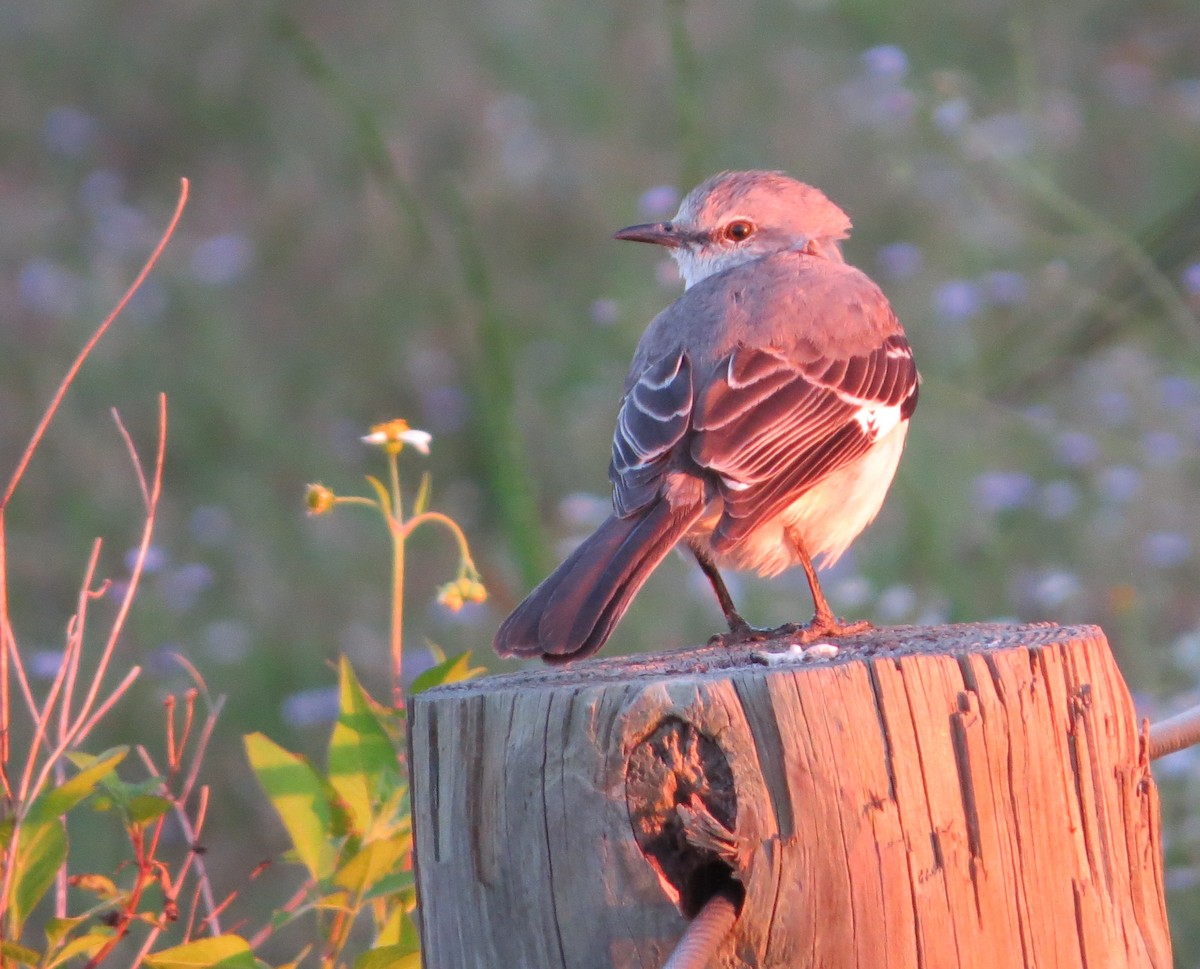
(740, 632)
(821, 627)
(826, 626)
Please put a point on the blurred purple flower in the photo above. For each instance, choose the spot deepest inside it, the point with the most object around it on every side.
(900, 260)
(308, 708)
(1114, 407)
(1040, 414)
(101, 189)
(1128, 83)
(1076, 449)
(468, 614)
(659, 202)
(149, 304)
(121, 228)
(1058, 499)
(181, 587)
(1191, 279)
(69, 132)
(211, 525)
(604, 312)
(1186, 93)
(886, 61)
(1187, 652)
(951, 116)
(1162, 449)
(223, 259)
(228, 641)
(445, 408)
(999, 491)
(957, 300)
(1166, 549)
(999, 136)
(896, 602)
(583, 510)
(155, 561)
(852, 591)
(1052, 588)
(1177, 391)
(50, 289)
(1006, 288)
(44, 664)
(1119, 483)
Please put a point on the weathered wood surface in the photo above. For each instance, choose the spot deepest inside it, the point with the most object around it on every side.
(968, 795)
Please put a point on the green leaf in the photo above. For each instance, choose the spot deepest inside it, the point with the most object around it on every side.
(362, 760)
(59, 800)
(398, 884)
(11, 950)
(389, 957)
(146, 807)
(41, 851)
(421, 502)
(226, 951)
(57, 929)
(100, 885)
(87, 945)
(448, 671)
(124, 792)
(368, 867)
(301, 798)
(385, 497)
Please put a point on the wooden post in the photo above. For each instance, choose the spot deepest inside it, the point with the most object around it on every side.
(973, 795)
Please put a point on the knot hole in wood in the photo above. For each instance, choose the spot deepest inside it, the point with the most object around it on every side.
(683, 809)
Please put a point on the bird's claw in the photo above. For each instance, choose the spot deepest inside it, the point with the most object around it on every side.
(821, 627)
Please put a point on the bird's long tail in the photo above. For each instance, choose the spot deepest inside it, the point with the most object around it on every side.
(573, 611)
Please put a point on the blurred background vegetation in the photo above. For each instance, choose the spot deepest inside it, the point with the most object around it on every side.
(404, 209)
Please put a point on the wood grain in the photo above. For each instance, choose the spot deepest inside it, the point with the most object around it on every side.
(971, 795)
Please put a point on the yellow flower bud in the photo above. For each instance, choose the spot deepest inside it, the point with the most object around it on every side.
(318, 499)
(450, 596)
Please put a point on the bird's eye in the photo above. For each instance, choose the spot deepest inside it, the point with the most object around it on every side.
(739, 230)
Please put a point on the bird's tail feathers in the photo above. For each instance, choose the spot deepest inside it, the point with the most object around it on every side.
(574, 610)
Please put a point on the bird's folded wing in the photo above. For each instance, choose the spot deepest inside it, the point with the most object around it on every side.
(771, 427)
(654, 417)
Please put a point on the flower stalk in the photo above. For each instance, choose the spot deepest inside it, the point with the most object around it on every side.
(393, 437)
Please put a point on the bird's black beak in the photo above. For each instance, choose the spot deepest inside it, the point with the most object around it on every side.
(659, 233)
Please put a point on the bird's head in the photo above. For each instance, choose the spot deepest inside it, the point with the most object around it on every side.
(735, 217)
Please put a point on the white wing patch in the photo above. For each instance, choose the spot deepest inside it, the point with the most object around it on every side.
(877, 422)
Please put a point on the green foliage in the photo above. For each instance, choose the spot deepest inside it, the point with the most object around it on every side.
(216, 952)
(41, 836)
(351, 827)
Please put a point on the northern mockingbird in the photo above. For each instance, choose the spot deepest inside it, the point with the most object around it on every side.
(762, 422)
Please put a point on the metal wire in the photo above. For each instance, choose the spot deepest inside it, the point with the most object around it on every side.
(1175, 733)
(704, 933)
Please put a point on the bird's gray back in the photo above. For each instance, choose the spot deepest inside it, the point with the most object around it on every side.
(776, 301)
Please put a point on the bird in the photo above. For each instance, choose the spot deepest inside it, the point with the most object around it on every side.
(762, 421)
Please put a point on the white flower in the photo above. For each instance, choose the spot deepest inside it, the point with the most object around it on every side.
(395, 434)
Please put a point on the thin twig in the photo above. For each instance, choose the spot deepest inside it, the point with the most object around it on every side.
(139, 563)
(133, 458)
(40, 430)
(74, 650)
(290, 905)
(191, 833)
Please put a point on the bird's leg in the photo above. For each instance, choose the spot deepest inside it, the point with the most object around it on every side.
(740, 631)
(824, 622)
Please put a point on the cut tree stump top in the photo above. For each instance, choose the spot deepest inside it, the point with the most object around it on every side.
(969, 795)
